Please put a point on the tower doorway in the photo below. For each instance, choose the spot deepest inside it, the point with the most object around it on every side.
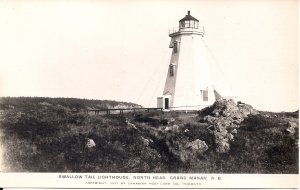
(166, 103)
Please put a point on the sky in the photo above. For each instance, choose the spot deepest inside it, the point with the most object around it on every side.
(118, 50)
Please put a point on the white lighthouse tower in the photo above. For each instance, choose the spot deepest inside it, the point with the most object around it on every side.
(188, 85)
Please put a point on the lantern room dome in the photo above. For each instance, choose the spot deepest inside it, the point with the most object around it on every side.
(189, 17)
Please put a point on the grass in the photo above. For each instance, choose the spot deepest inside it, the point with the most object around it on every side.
(49, 135)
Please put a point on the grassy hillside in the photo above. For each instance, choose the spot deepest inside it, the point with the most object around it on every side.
(50, 135)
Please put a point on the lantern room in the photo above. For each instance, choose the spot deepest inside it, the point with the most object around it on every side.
(188, 22)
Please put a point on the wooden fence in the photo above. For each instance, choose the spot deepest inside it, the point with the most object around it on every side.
(121, 111)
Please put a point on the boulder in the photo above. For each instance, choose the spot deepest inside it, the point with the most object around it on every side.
(223, 147)
(209, 119)
(220, 129)
(233, 126)
(174, 128)
(186, 130)
(292, 124)
(172, 120)
(197, 145)
(146, 141)
(224, 122)
(130, 124)
(228, 108)
(291, 127)
(234, 131)
(221, 142)
(90, 143)
(290, 130)
(247, 109)
(230, 136)
(187, 151)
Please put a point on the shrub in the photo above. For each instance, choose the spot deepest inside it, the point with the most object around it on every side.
(146, 119)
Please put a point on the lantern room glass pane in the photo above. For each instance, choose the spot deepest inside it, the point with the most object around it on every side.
(181, 24)
(187, 23)
(192, 24)
(196, 24)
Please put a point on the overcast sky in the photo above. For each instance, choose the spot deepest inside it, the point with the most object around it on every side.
(119, 49)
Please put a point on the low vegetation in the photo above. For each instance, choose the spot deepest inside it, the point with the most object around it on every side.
(50, 135)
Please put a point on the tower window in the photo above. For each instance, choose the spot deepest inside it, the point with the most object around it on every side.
(172, 69)
(175, 47)
(204, 95)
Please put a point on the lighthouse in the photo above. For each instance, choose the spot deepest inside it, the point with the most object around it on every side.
(189, 83)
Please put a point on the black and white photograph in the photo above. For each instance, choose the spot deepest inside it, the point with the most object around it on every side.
(149, 86)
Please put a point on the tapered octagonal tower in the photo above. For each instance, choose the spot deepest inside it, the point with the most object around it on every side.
(189, 83)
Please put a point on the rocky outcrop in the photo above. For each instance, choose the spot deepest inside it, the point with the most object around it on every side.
(224, 117)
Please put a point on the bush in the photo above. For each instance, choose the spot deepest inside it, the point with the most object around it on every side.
(259, 122)
(146, 119)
